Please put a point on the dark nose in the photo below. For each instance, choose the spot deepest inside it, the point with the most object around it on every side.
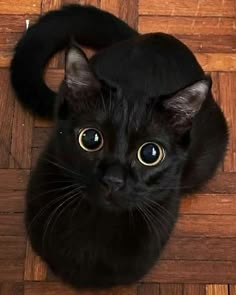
(114, 178)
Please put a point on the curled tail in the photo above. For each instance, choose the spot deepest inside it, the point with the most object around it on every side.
(87, 25)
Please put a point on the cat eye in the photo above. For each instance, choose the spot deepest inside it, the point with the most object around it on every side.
(90, 139)
(151, 154)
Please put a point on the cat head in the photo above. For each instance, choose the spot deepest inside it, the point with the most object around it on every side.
(125, 149)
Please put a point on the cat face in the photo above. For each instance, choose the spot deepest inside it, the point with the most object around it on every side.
(126, 151)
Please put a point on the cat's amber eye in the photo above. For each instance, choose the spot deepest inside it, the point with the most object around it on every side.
(90, 139)
(151, 154)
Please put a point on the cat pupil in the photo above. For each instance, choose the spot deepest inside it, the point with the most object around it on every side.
(90, 139)
(150, 154)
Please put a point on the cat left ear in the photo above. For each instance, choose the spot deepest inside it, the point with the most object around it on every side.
(80, 84)
(78, 74)
(185, 104)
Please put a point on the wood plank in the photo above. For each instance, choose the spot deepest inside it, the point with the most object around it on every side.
(187, 8)
(202, 272)
(217, 61)
(188, 25)
(209, 204)
(5, 59)
(216, 94)
(35, 268)
(20, 7)
(13, 179)
(8, 288)
(194, 289)
(6, 114)
(35, 154)
(12, 225)
(171, 289)
(15, 23)
(39, 122)
(215, 86)
(7, 44)
(149, 289)
(21, 138)
(222, 226)
(12, 247)
(228, 104)
(129, 12)
(83, 2)
(232, 289)
(11, 270)
(208, 43)
(217, 290)
(215, 89)
(126, 10)
(53, 78)
(111, 6)
(51, 277)
(8, 41)
(34, 288)
(40, 136)
(12, 201)
(200, 248)
(48, 5)
(221, 183)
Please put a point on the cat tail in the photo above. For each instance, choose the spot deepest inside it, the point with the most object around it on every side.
(86, 25)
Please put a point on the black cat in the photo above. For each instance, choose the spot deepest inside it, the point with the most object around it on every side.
(136, 127)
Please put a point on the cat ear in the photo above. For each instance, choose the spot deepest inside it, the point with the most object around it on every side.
(78, 74)
(80, 85)
(182, 107)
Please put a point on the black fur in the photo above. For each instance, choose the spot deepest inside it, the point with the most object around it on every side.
(54, 31)
(97, 233)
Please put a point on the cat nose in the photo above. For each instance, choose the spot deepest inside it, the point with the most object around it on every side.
(114, 178)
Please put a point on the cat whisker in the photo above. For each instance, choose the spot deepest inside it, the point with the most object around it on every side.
(59, 189)
(159, 219)
(77, 206)
(131, 217)
(156, 229)
(156, 204)
(40, 213)
(73, 198)
(158, 188)
(149, 223)
(51, 216)
(53, 157)
(62, 167)
(47, 183)
(110, 102)
(162, 219)
(103, 102)
(144, 217)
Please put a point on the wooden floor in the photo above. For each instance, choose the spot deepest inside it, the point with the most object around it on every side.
(200, 259)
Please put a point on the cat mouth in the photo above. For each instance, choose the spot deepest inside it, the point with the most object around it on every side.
(112, 201)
